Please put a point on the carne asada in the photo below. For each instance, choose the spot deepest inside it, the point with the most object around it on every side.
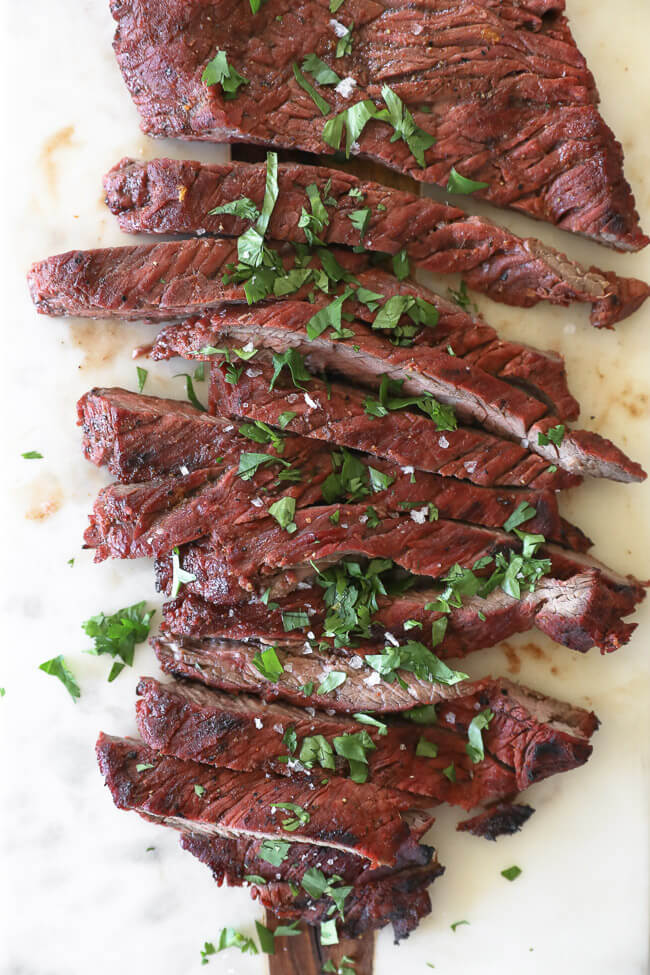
(364, 357)
(364, 821)
(192, 722)
(143, 437)
(177, 196)
(500, 819)
(500, 95)
(378, 897)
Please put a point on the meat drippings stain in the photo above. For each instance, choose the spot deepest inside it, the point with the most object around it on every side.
(44, 498)
(100, 340)
(62, 139)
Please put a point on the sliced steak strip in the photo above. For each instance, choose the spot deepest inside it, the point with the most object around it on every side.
(501, 87)
(364, 821)
(175, 196)
(364, 357)
(335, 411)
(192, 722)
(143, 437)
(378, 896)
(580, 612)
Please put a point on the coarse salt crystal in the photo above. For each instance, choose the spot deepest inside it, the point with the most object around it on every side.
(248, 347)
(391, 639)
(258, 723)
(419, 515)
(470, 466)
(372, 680)
(310, 635)
(310, 402)
(443, 442)
(257, 502)
(253, 373)
(345, 87)
(279, 728)
(408, 470)
(524, 443)
(339, 29)
(450, 718)
(289, 667)
(356, 662)
(184, 471)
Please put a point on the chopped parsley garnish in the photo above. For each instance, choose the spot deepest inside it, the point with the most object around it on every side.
(355, 118)
(143, 766)
(461, 298)
(285, 419)
(350, 596)
(523, 512)
(344, 45)
(283, 511)
(320, 72)
(554, 435)
(308, 688)
(360, 220)
(316, 749)
(118, 634)
(372, 518)
(415, 658)
(368, 719)
(244, 208)
(317, 885)
(219, 72)
(351, 479)
(333, 680)
(457, 924)
(274, 852)
(401, 265)
(450, 772)
(354, 747)
(250, 463)
(328, 932)
(32, 455)
(329, 317)
(297, 620)
(345, 968)
(58, 668)
(142, 377)
(290, 739)
(189, 390)
(323, 107)
(461, 184)
(295, 363)
(511, 873)
(261, 433)
(313, 224)
(424, 714)
(229, 938)
(179, 576)
(268, 664)
(426, 749)
(474, 746)
(390, 399)
(421, 313)
(267, 937)
(255, 878)
(335, 4)
(199, 790)
(300, 816)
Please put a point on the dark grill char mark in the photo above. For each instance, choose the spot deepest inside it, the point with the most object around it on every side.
(365, 822)
(143, 437)
(509, 97)
(379, 897)
(364, 357)
(175, 196)
(191, 722)
(502, 819)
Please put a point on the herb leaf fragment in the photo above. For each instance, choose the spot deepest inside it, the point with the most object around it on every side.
(58, 668)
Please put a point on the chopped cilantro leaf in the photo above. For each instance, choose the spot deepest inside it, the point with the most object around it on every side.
(189, 389)
(426, 749)
(219, 72)
(457, 924)
(401, 265)
(474, 746)
(199, 790)
(333, 680)
(344, 45)
(179, 576)
(283, 511)
(323, 107)
(511, 873)
(142, 377)
(321, 72)
(554, 435)
(274, 852)
(32, 455)
(294, 363)
(58, 668)
(268, 664)
(118, 634)
(523, 512)
(243, 208)
(297, 620)
(461, 184)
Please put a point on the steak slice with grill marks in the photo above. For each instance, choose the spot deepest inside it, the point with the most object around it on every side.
(500, 87)
(176, 195)
(336, 412)
(364, 357)
(579, 612)
(501, 819)
(191, 722)
(365, 821)
(378, 896)
(143, 437)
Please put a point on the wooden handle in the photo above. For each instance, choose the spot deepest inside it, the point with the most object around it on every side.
(304, 955)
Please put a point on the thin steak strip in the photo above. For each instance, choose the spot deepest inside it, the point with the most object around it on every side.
(364, 357)
(336, 814)
(143, 437)
(175, 196)
(579, 612)
(501, 87)
(192, 722)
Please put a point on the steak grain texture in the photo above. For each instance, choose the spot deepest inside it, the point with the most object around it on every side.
(501, 86)
(172, 196)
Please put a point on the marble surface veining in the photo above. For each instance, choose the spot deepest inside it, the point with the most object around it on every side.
(81, 890)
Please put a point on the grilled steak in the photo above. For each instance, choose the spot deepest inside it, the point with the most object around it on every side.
(364, 357)
(501, 91)
(501, 819)
(580, 612)
(337, 412)
(378, 897)
(143, 437)
(175, 196)
(230, 665)
(192, 722)
(364, 821)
